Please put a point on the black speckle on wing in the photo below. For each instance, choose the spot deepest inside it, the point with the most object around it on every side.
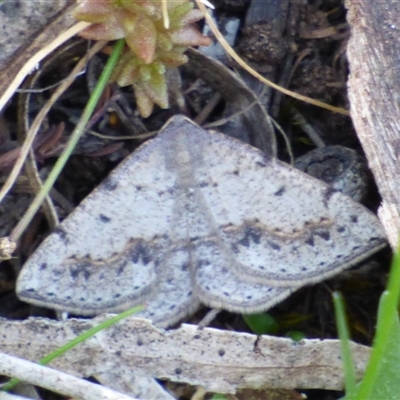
(81, 269)
(61, 233)
(103, 218)
(251, 234)
(140, 252)
(354, 219)
(110, 184)
(324, 234)
(280, 191)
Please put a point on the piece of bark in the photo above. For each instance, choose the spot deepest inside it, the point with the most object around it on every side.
(57, 381)
(21, 20)
(220, 361)
(19, 52)
(374, 87)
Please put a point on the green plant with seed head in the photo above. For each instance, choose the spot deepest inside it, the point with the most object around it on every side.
(151, 47)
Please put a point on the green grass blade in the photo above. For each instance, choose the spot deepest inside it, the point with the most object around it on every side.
(381, 378)
(343, 331)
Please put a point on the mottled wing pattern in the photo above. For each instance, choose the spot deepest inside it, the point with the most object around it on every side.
(118, 248)
(197, 216)
(261, 229)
